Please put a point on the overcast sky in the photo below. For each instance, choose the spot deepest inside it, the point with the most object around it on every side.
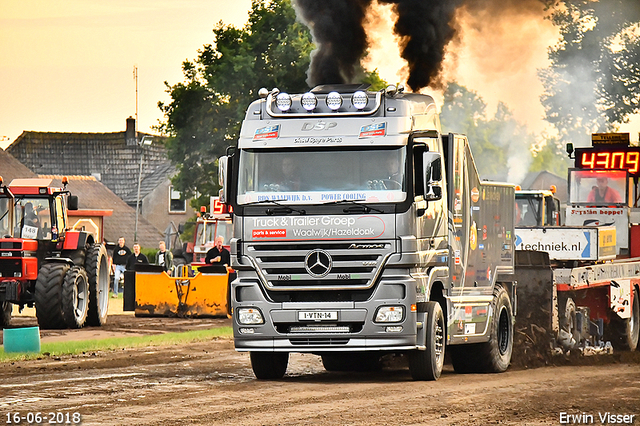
(67, 65)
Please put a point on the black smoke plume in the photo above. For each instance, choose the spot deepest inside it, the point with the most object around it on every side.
(338, 31)
(424, 28)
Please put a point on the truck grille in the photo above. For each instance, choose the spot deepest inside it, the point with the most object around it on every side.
(319, 266)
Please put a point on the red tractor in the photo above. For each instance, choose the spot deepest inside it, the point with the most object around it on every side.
(63, 272)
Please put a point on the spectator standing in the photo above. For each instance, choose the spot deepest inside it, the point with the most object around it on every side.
(218, 254)
(164, 257)
(136, 258)
(120, 255)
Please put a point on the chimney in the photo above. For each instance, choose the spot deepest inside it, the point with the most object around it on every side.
(130, 133)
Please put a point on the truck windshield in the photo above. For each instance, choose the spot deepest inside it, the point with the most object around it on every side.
(598, 187)
(322, 176)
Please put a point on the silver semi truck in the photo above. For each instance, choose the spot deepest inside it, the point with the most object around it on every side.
(360, 230)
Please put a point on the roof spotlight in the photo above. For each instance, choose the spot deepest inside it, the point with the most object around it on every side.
(334, 101)
(283, 101)
(309, 101)
(359, 99)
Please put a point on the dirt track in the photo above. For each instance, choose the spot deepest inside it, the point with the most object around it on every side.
(209, 383)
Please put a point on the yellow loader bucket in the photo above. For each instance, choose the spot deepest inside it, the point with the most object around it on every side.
(189, 294)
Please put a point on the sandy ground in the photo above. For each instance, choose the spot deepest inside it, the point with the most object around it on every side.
(208, 383)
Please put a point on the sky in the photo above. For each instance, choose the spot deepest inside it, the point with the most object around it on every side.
(67, 65)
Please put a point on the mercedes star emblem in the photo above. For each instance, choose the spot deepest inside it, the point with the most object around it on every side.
(318, 263)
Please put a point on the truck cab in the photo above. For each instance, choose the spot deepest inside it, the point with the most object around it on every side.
(360, 230)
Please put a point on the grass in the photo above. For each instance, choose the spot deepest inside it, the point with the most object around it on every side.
(113, 343)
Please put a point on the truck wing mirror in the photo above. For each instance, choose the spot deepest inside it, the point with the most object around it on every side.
(222, 177)
(432, 176)
(73, 202)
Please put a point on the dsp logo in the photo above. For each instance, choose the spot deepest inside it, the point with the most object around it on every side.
(269, 132)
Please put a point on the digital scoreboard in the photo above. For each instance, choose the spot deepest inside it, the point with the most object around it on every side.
(609, 157)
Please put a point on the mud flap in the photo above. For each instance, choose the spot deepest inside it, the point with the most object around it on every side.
(421, 333)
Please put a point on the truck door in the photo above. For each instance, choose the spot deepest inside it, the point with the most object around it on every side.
(459, 211)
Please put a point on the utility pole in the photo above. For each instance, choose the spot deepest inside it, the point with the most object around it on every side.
(135, 77)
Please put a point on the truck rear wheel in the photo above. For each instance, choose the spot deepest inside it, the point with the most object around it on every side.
(75, 297)
(48, 295)
(269, 365)
(493, 356)
(98, 277)
(5, 314)
(624, 333)
(427, 364)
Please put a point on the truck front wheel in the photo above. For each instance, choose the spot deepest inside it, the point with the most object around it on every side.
(427, 364)
(269, 365)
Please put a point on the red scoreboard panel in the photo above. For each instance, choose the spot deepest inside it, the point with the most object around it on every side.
(618, 158)
(218, 208)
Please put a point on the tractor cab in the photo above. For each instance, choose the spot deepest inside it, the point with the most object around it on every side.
(40, 210)
(6, 211)
(537, 208)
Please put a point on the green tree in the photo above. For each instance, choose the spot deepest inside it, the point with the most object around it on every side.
(500, 145)
(550, 156)
(592, 83)
(204, 115)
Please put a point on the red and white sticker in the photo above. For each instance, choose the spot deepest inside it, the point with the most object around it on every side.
(269, 233)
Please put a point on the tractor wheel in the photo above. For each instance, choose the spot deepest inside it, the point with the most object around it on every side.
(97, 269)
(624, 333)
(269, 365)
(76, 256)
(427, 364)
(5, 314)
(75, 297)
(48, 295)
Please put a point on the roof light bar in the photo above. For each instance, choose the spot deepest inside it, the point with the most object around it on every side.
(283, 102)
(359, 100)
(309, 101)
(334, 101)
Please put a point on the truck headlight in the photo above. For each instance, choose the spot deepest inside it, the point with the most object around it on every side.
(390, 314)
(250, 316)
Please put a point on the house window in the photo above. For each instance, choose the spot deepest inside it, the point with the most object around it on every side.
(176, 202)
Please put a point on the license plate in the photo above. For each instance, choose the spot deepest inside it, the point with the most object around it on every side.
(318, 316)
